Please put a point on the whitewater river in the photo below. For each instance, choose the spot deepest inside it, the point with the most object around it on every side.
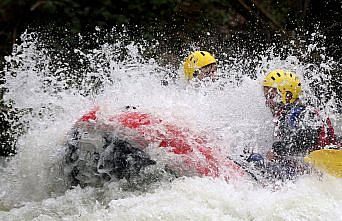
(231, 111)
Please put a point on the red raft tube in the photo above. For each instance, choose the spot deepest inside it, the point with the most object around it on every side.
(195, 156)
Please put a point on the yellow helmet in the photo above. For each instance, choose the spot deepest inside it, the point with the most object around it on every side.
(195, 61)
(284, 81)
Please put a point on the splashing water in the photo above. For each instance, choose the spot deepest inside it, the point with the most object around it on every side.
(55, 91)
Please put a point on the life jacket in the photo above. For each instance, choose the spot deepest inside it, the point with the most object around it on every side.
(326, 135)
(194, 150)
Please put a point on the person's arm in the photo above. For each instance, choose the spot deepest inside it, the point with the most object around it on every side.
(300, 142)
(300, 132)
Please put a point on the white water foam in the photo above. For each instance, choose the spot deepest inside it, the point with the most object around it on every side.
(32, 186)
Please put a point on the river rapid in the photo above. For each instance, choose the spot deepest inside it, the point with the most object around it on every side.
(53, 92)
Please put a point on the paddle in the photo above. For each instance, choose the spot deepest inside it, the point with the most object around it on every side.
(328, 160)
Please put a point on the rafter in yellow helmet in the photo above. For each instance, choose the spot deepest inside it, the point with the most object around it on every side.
(195, 61)
(284, 81)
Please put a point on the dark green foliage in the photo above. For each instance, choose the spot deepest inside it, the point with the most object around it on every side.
(181, 20)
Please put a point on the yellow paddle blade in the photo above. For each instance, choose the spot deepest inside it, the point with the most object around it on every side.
(329, 161)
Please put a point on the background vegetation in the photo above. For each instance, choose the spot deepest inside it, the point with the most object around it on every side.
(251, 24)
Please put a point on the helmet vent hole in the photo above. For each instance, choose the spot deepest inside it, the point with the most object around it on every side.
(290, 75)
(273, 78)
(202, 53)
(278, 74)
(299, 84)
